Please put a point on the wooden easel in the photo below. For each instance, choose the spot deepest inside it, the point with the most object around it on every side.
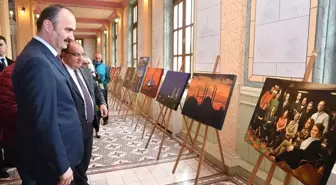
(116, 94)
(204, 141)
(163, 113)
(144, 102)
(288, 177)
(119, 88)
(124, 98)
(142, 111)
(133, 96)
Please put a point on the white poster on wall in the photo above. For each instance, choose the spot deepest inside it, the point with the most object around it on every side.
(207, 28)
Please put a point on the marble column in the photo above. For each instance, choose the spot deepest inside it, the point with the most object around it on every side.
(129, 38)
(5, 25)
(233, 34)
(24, 23)
(99, 42)
(108, 45)
(145, 28)
(168, 35)
(325, 64)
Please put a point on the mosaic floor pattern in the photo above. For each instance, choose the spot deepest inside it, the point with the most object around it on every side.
(121, 148)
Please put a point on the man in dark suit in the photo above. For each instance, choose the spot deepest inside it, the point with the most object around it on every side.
(87, 94)
(49, 133)
(4, 61)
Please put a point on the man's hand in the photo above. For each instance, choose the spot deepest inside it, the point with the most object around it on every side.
(66, 178)
(103, 111)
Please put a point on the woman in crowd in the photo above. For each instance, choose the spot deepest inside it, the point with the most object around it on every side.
(309, 149)
(300, 136)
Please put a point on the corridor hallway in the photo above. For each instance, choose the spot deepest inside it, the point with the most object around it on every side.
(119, 157)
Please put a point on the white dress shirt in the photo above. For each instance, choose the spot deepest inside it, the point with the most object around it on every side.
(73, 76)
(53, 51)
(321, 117)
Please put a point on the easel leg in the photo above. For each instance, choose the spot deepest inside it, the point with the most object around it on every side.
(202, 154)
(164, 133)
(221, 150)
(270, 174)
(155, 125)
(183, 145)
(118, 97)
(145, 124)
(130, 104)
(186, 123)
(255, 170)
(122, 99)
(195, 138)
(124, 112)
(142, 106)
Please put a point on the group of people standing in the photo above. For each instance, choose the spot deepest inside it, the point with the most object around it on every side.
(51, 97)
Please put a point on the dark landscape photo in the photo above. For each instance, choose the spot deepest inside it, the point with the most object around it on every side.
(139, 74)
(172, 89)
(293, 125)
(208, 98)
(129, 75)
(151, 82)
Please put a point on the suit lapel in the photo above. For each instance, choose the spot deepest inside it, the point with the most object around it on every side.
(56, 63)
(75, 88)
(9, 61)
(87, 81)
(62, 70)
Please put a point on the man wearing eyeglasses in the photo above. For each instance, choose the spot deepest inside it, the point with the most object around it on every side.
(87, 94)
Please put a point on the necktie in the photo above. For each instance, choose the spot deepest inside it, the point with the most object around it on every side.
(87, 98)
(2, 64)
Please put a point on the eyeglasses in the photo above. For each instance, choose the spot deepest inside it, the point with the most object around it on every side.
(77, 54)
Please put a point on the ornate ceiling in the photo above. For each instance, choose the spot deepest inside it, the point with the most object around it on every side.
(91, 15)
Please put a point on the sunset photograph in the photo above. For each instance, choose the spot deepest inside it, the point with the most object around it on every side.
(151, 82)
(208, 97)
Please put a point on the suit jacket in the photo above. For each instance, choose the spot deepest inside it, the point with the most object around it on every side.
(49, 133)
(9, 62)
(8, 108)
(96, 96)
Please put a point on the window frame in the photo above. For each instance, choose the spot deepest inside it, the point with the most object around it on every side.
(115, 41)
(135, 41)
(183, 55)
(81, 41)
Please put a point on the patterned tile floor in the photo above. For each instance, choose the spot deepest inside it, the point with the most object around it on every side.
(119, 158)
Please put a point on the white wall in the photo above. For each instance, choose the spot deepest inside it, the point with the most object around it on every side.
(207, 30)
(90, 47)
(157, 32)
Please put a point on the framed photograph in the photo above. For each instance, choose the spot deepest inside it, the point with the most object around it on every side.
(172, 89)
(139, 74)
(151, 82)
(293, 125)
(129, 75)
(208, 98)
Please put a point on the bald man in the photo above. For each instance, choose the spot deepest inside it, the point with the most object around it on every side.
(104, 73)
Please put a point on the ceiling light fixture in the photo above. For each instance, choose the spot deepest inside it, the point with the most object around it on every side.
(105, 32)
(116, 20)
(11, 13)
(37, 15)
